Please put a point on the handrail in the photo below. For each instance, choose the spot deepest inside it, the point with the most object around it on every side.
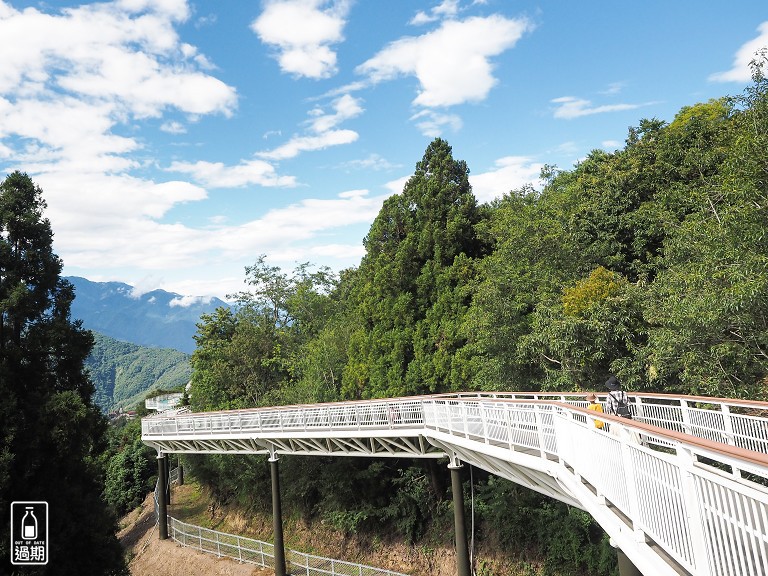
(705, 504)
(163, 402)
(714, 421)
(705, 417)
(262, 553)
(753, 404)
(686, 479)
(258, 552)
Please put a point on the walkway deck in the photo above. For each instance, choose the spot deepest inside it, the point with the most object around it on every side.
(681, 489)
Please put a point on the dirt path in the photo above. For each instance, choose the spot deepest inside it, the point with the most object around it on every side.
(150, 556)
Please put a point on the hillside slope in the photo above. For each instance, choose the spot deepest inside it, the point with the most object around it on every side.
(149, 556)
(433, 556)
(123, 373)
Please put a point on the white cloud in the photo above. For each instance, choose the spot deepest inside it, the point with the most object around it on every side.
(70, 82)
(323, 130)
(452, 63)
(303, 31)
(613, 88)
(567, 148)
(103, 200)
(173, 127)
(217, 175)
(740, 71)
(306, 218)
(569, 107)
(187, 301)
(432, 124)
(300, 144)
(65, 130)
(396, 186)
(372, 162)
(446, 9)
(511, 173)
(127, 236)
(345, 108)
(176, 9)
(75, 87)
(299, 232)
(339, 251)
(143, 286)
(127, 53)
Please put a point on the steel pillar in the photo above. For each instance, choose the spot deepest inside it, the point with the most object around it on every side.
(162, 507)
(462, 550)
(277, 515)
(168, 480)
(181, 473)
(626, 568)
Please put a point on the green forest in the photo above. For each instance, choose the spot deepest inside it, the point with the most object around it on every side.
(53, 436)
(123, 373)
(649, 262)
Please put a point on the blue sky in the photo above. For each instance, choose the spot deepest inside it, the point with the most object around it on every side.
(175, 141)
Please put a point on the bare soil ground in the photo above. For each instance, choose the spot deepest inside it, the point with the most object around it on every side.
(149, 556)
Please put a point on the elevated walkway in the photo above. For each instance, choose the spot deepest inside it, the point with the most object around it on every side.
(682, 489)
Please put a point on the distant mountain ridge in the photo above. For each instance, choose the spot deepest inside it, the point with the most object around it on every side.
(156, 319)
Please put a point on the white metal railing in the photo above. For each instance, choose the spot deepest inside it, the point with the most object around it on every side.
(706, 507)
(163, 401)
(688, 474)
(405, 413)
(263, 553)
(741, 423)
(714, 419)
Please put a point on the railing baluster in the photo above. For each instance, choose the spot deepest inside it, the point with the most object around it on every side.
(539, 429)
(727, 424)
(685, 416)
(734, 518)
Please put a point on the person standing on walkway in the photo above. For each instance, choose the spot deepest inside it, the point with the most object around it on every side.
(617, 401)
(593, 405)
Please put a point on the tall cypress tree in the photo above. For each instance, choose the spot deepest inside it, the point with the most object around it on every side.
(412, 286)
(51, 432)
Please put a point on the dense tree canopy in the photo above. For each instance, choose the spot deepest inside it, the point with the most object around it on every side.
(650, 262)
(52, 433)
(412, 285)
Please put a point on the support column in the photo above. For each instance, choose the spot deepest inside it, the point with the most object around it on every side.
(277, 515)
(162, 508)
(462, 551)
(181, 473)
(168, 480)
(626, 568)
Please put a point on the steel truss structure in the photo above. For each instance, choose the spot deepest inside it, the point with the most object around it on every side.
(681, 489)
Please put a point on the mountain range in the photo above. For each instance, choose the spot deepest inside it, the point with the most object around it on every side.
(143, 341)
(156, 319)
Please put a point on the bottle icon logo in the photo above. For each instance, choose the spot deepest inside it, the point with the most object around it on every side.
(29, 533)
(29, 524)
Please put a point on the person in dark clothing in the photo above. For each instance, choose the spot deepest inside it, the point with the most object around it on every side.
(617, 402)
